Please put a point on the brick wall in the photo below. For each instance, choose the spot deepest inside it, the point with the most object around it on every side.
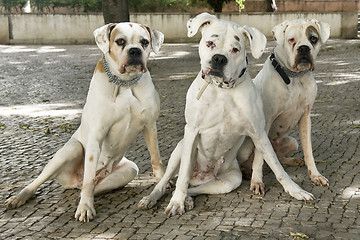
(300, 6)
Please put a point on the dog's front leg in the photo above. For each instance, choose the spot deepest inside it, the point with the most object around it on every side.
(305, 137)
(263, 146)
(150, 135)
(85, 210)
(176, 204)
(159, 190)
(257, 185)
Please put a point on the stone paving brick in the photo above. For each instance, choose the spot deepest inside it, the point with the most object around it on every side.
(26, 147)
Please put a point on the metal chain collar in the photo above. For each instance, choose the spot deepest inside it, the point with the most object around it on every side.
(116, 80)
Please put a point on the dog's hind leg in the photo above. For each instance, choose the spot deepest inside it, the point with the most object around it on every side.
(71, 154)
(121, 175)
(159, 190)
(286, 146)
(223, 183)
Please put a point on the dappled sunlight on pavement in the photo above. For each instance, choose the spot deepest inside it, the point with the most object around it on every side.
(43, 90)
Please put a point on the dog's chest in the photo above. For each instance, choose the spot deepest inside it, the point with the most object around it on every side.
(130, 114)
(220, 125)
(292, 106)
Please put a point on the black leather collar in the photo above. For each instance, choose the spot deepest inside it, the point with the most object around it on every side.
(279, 69)
(285, 73)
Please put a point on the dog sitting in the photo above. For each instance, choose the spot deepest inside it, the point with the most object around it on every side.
(121, 103)
(222, 107)
(288, 90)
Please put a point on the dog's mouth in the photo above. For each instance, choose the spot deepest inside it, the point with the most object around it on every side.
(303, 63)
(133, 68)
(216, 76)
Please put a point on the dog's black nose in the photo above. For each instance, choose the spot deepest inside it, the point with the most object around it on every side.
(304, 49)
(219, 60)
(135, 52)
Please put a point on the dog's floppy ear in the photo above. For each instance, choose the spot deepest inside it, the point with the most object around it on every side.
(322, 28)
(198, 22)
(279, 32)
(157, 39)
(102, 36)
(256, 40)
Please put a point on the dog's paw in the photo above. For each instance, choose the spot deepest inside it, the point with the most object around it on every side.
(189, 203)
(257, 187)
(19, 199)
(300, 194)
(175, 207)
(158, 174)
(319, 180)
(85, 212)
(146, 203)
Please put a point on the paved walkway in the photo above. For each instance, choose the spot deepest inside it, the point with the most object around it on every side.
(42, 91)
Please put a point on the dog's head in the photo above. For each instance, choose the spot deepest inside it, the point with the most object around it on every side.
(298, 42)
(222, 46)
(127, 46)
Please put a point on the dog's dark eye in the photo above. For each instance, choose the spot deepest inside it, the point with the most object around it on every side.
(144, 43)
(210, 44)
(313, 39)
(235, 50)
(120, 42)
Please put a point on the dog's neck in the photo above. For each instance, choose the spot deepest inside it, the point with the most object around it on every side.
(232, 83)
(283, 71)
(116, 80)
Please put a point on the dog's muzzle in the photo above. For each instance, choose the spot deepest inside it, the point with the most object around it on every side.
(216, 72)
(135, 62)
(218, 62)
(304, 60)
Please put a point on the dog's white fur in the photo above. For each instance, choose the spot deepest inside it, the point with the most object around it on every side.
(218, 122)
(286, 106)
(93, 159)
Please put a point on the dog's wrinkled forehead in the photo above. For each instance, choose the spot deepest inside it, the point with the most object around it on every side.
(223, 32)
(130, 32)
(301, 28)
(125, 33)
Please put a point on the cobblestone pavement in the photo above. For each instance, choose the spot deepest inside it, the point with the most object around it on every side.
(43, 89)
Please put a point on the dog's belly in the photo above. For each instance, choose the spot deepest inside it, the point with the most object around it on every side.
(216, 150)
(285, 122)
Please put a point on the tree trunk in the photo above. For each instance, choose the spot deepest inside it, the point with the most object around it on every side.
(216, 5)
(115, 11)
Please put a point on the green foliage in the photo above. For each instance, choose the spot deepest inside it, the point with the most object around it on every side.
(241, 3)
(214, 4)
(87, 5)
(8, 4)
(134, 5)
(154, 5)
(40, 5)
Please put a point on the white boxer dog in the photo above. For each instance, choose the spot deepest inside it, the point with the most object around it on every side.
(288, 90)
(222, 107)
(121, 102)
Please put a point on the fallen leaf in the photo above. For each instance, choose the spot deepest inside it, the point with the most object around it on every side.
(298, 235)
